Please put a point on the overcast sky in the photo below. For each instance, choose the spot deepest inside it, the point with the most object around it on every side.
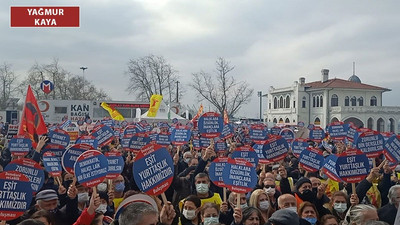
(270, 43)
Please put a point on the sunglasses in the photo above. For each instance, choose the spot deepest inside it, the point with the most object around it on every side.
(269, 186)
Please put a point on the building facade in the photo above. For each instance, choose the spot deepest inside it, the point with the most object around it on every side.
(328, 100)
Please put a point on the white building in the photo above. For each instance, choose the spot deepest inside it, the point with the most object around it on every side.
(322, 102)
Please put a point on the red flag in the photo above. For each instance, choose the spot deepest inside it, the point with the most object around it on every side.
(226, 118)
(32, 123)
(199, 112)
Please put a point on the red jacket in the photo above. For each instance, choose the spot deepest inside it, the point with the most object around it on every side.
(85, 218)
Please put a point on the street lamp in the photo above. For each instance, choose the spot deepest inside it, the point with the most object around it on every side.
(260, 96)
(83, 74)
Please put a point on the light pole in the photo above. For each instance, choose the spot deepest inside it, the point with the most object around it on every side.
(260, 95)
(83, 74)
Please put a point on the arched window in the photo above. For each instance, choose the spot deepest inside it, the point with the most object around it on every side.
(353, 101)
(287, 120)
(317, 100)
(373, 101)
(380, 125)
(303, 102)
(334, 100)
(313, 102)
(391, 125)
(317, 121)
(287, 101)
(275, 120)
(281, 102)
(370, 123)
(320, 102)
(280, 120)
(360, 101)
(275, 102)
(346, 101)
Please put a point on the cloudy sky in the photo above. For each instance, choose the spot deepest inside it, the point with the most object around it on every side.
(270, 43)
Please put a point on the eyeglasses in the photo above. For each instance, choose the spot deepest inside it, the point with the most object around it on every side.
(269, 186)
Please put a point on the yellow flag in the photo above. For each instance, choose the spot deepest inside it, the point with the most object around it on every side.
(113, 112)
(155, 102)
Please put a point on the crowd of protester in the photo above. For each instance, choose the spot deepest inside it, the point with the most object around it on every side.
(284, 195)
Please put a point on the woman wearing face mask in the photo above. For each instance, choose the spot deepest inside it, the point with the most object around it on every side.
(339, 204)
(248, 216)
(260, 200)
(83, 197)
(190, 214)
(308, 212)
(209, 214)
(270, 190)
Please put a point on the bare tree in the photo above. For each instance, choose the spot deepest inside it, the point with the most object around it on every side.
(66, 85)
(222, 90)
(151, 75)
(7, 84)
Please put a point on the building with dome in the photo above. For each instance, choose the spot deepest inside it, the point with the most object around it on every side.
(328, 100)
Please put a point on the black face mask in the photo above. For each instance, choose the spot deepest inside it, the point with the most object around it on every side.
(307, 195)
(67, 183)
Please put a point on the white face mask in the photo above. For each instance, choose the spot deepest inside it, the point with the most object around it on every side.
(83, 197)
(210, 220)
(102, 187)
(264, 205)
(102, 208)
(340, 207)
(189, 214)
(270, 191)
(202, 188)
(186, 160)
(242, 206)
(278, 177)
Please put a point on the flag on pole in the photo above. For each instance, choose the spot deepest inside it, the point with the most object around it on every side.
(113, 112)
(155, 102)
(32, 123)
(199, 112)
(226, 118)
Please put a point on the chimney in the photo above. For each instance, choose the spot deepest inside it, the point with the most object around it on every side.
(325, 75)
(302, 80)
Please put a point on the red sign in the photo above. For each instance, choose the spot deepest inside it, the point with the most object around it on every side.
(44, 16)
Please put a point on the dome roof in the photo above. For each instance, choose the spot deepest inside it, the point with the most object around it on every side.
(354, 78)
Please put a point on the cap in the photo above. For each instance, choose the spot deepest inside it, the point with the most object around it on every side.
(47, 195)
(302, 181)
(285, 217)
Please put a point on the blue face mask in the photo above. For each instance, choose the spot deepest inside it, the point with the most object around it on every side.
(313, 221)
(120, 187)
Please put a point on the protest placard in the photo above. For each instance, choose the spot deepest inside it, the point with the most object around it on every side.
(91, 168)
(298, 145)
(88, 139)
(287, 134)
(352, 166)
(311, 159)
(276, 130)
(317, 134)
(276, 148)
(329, 168)
(180, 135)
(104, 134)
(247, 153)
(227, 131)
(130, 130)
(260, 148)
(59, 137)
(58, 150)
(371, 143)
(163, 138)
(20, 145)
(258, 132)
(137, 141)
(210, 125)
(52, 164)
(115, 164)
(220, 146)
(30, 169)
(239, 175)
(216, 169)
(351, 132)
(154, 169)
(337, 131)
(392, 149)
(16, 195)
(70, 156)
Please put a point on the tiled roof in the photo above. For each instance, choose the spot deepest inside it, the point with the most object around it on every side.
(339, 83)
